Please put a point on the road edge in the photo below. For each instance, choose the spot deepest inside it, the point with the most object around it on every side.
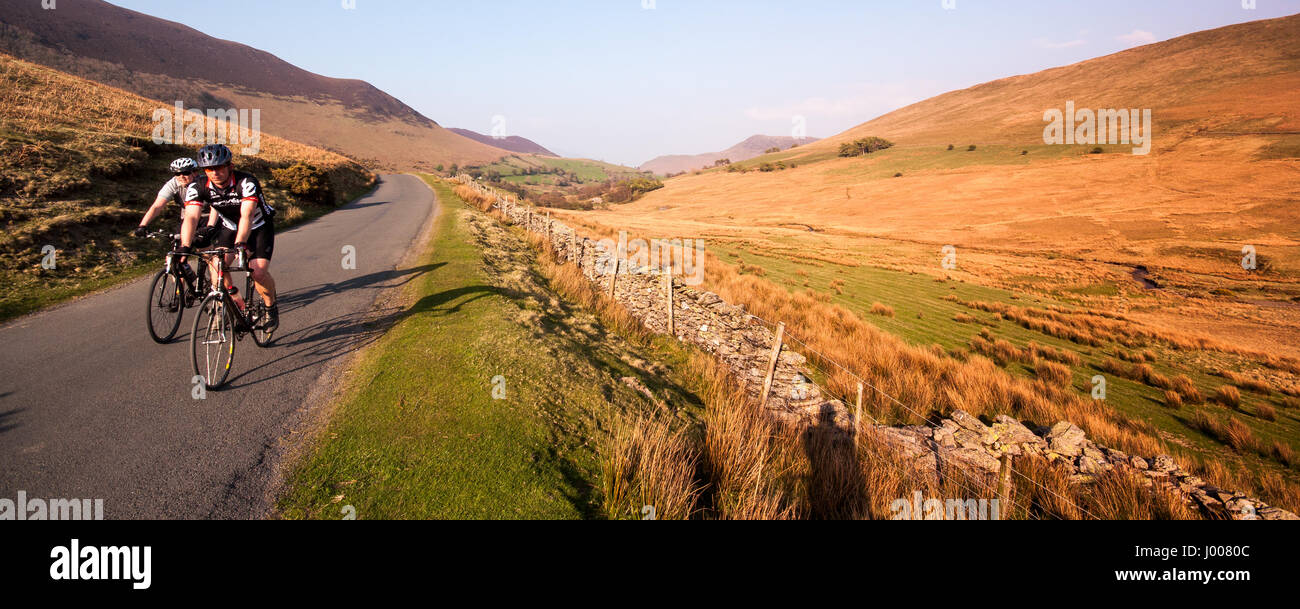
(313, 414)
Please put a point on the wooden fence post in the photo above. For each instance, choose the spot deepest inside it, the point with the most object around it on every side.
(549, 245)
(1004, 487)
(668, 283)
(771, 366)
(613, 277)
(857, 418)
(573, 247)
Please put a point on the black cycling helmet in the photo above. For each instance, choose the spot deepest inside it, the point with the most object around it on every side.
(184, 166)
(214, 155)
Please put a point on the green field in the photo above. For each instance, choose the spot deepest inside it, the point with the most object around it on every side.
(512, 170)
(418, 432)
(923, 317)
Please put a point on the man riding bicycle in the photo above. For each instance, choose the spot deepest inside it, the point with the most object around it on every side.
(184, 172)
(236, 200)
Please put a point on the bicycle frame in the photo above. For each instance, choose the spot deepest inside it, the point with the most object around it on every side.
(219, 286)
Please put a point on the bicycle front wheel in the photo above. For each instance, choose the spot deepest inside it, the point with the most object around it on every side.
(166, 306)
(212, 343)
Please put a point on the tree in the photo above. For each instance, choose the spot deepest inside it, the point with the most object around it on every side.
(864, 146)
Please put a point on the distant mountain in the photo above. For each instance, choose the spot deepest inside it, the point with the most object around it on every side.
(748, 149)
(513, 143)
(167, 62)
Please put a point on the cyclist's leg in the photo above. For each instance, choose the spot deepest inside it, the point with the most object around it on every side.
(226, 238)
(262, 280)
(262, 242)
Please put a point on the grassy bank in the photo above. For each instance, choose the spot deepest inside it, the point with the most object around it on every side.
(418, 432)
(78, 175)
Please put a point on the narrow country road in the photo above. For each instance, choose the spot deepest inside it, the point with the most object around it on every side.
(91, 408)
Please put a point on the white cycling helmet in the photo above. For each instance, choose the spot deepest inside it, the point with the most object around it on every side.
(184, 166)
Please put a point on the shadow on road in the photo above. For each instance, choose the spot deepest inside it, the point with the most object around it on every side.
(380, 280)
(364, 205)
(8, 415)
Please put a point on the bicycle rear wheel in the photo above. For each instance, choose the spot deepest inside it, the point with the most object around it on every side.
(166, 306)
(257, 310)
(212, 343)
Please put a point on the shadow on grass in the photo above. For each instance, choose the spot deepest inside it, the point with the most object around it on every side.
(342, 334)
(837, 487)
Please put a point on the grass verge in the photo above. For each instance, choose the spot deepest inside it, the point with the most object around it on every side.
(418, 432)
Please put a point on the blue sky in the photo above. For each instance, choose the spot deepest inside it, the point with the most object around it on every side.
(613, 80)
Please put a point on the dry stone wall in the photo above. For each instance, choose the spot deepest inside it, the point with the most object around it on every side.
(744, 344)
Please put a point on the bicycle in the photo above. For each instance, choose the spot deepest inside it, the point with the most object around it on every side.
(220, 324)
(171, 292)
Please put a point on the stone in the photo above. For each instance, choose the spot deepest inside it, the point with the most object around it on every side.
(968, 421)
(1011, 431)
(943, 436)
(968, 439)
(970, 458)
(1089, 465)
(1066, 438)
(1164, 463)
(1091, 451)
(1138, 463)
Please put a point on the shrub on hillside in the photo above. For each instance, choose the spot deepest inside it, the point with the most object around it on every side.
(866, 145)
(310, 184)
(626, 191)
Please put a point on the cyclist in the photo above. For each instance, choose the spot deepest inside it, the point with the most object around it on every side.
(236, 199)
(184, 172)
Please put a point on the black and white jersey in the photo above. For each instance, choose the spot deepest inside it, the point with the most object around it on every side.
(230, 200)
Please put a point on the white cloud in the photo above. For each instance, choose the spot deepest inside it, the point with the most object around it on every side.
(1137, 38)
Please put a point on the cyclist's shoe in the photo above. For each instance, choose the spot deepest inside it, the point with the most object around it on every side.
(272, 318)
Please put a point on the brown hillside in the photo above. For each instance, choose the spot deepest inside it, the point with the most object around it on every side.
(1240, 77)
(167, 61)
(1046, 218)
(78, 168)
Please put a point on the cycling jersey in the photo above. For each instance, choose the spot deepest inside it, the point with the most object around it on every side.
(229, 201)
(173, 192)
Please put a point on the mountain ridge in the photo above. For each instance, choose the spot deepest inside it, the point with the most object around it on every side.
(158, 59)
(749, 148)
(513, 143)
